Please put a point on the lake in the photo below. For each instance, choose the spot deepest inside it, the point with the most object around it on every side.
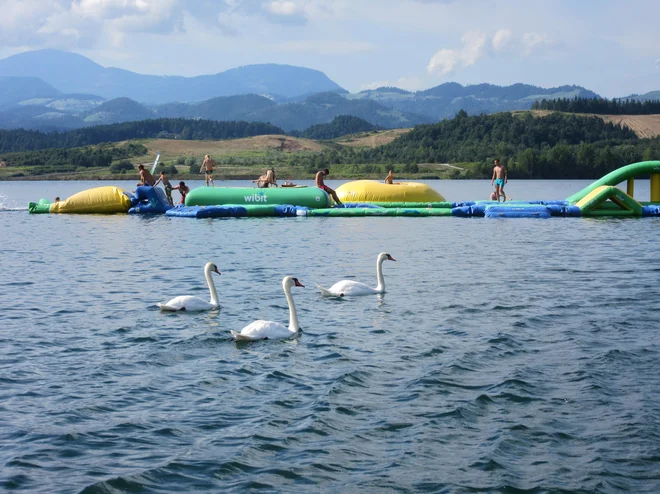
(508, 355)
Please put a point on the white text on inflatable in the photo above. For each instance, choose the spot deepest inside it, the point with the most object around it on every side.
(255, 198)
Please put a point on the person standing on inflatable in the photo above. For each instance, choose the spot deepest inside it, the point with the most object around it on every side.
(208, 164)
(500, 178)
(168, 187)
(321, 185)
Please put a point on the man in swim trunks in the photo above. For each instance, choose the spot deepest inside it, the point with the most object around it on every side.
(390, 178)
(208, 164)
(321, 185)
(167, 185)
(500, 178)
(145, 176)
(183, 190)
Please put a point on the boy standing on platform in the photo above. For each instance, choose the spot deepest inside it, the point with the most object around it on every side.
(499, 178)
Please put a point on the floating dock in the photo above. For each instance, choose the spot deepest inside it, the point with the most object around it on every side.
(368, 198)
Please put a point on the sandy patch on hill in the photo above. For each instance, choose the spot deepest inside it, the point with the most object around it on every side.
(645, 126)
(372, 139)
(177, 147)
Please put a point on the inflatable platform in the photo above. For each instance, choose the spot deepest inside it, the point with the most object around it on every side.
(375, 192)
(367, 198)
(107, 200)
(311, 197)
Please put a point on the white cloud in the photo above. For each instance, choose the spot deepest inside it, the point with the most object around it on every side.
(473, 47)
(443, 61)
(282, 7)
(501, 39)
(446, 59)
(532, 40)
(81, 23)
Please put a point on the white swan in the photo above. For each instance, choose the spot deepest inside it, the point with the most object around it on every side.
(354, 288)
(269, 330)
(190, 303)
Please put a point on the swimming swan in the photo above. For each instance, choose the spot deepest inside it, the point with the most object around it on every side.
(354, 288)
(190, 303)
(269, 330)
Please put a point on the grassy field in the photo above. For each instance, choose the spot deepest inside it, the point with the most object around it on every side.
(236, 158)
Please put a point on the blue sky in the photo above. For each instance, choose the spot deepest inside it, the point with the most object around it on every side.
(611, 47)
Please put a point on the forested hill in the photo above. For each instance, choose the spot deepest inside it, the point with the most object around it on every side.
(31, 140)
(554, 146)
(173, 128)
(340, 126)
(600, 106)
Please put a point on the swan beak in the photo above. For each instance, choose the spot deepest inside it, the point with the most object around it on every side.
(298, 283)
(216, 270)
(390, 258)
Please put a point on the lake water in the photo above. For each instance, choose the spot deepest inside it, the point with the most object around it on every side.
(508, 355)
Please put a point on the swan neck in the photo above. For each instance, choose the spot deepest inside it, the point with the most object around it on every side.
(209, 282)
(293, 315)
(379, 275)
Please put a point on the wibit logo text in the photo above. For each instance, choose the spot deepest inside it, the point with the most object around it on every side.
(256, 198)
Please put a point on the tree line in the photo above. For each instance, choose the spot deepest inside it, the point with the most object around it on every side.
(554, 146)
(340, 126)
(599, 106)
(559, 145)
(59, 160)
(16, 140)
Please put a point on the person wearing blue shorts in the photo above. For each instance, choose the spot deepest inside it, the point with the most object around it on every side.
(499, 178)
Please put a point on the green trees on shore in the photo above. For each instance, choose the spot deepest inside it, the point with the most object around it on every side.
(555, 146)
(175, 128)
(340, 126)
(47, 161)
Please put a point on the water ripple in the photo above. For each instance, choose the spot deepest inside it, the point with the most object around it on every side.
(534, 373)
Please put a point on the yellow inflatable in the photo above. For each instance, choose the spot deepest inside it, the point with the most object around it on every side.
(372, 191)
(104, 200)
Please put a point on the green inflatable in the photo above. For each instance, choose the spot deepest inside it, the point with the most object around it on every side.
(310, 197)
(618, 176)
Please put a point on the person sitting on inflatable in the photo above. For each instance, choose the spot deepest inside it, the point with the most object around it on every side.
(390, 178)
(321, 185)
(146, 178)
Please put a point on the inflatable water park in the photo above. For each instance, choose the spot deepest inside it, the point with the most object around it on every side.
(603, 198)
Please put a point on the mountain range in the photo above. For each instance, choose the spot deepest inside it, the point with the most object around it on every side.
(52, 89)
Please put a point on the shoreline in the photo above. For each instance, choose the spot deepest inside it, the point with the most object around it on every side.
(186, 177)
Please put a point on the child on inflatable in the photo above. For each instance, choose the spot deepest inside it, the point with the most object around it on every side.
(167, 185)
(183, 190)
(207, 166)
